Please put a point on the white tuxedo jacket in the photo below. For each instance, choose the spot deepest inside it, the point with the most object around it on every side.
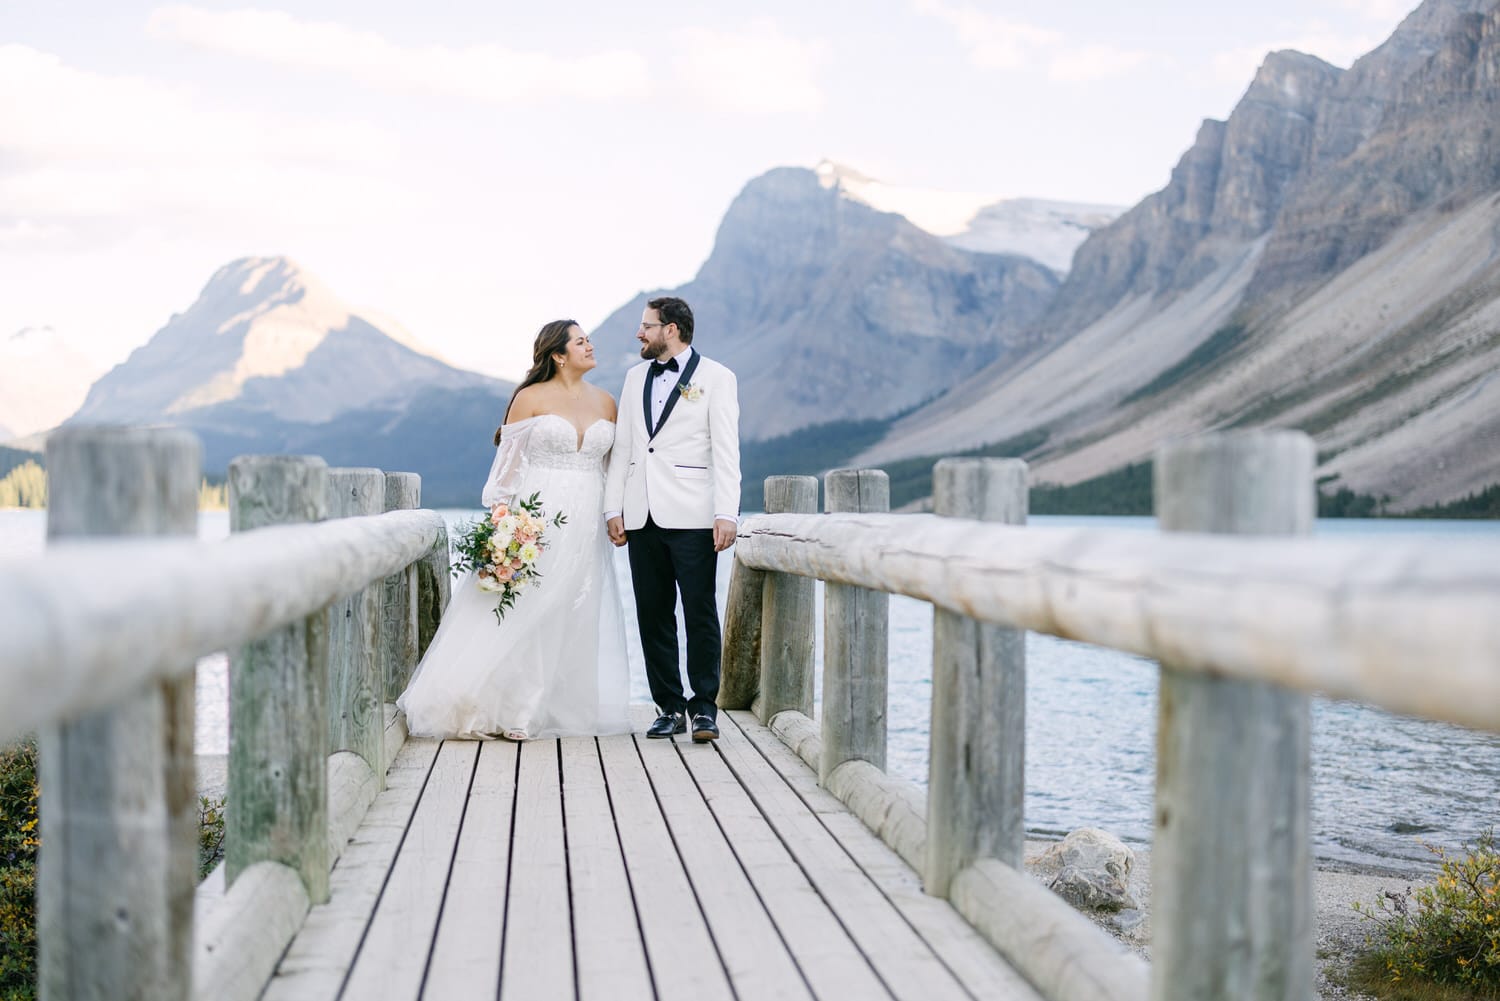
(687, 469)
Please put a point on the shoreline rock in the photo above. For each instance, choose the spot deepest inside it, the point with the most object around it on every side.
(1340, 932)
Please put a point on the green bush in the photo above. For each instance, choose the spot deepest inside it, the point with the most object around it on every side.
(210, 835)
(1447, 933)
(19, 839)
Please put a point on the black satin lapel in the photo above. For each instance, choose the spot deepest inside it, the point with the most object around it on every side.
(646, 403)
(682, 380)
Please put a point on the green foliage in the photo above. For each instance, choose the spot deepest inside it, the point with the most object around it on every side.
(1447, 933)
(210, 834)
(10, 458)
(213, 496)
(1479, 504)
(1201, 358)
(1126, 491)
(19, 840)
(24, 486)
(1345, 503)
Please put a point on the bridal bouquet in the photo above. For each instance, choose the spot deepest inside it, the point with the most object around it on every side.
(503, 549)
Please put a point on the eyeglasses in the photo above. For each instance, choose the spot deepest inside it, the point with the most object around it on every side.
(648, 326)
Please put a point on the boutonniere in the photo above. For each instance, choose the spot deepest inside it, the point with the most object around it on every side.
(690, 392)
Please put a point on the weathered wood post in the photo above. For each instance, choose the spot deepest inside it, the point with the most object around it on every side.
(786, 634)
(739, 673)
(1232, 870)
(856, 640)
(119, 812)
(976, 776)
(434, 586)
(356, 689)
(398, 607)
(278, 697)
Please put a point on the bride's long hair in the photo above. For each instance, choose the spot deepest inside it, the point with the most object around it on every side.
(551, 340)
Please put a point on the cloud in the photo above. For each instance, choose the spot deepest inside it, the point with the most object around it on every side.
(74, 114)
(480, 72)
(758, 70)
(88, 157)
(993, 42)
(1000, 43)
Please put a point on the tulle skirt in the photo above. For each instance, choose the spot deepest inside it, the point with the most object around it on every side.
(556, 665)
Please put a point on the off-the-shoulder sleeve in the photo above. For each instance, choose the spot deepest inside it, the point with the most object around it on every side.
(509, 468)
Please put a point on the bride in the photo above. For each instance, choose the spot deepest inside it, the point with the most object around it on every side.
(555, 666)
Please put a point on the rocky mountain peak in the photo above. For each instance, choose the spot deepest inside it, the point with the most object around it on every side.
(265, 334)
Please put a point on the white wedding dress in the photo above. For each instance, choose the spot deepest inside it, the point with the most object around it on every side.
(555, 666)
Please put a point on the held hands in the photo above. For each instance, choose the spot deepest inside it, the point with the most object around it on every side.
(724, 533)
(616, 528)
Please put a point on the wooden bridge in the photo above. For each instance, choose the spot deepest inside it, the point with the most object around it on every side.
(779, 862)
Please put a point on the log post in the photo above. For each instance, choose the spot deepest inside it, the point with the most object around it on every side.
(856, 640)
(356, 688)
(278, 697)
(786, 634)
(119, 814)
(398, 607)
(739, 681)
(976, 778)
(1232, 869)
(434, 586)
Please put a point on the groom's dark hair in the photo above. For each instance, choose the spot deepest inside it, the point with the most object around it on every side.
(670, 309)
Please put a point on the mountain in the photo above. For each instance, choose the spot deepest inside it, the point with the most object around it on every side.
(829, 309)
(43, 379)
(268, 360)
(1325, 259)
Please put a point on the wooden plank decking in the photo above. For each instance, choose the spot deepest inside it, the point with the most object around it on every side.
(623, 868)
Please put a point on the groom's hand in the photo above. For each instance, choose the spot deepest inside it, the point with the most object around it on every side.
(724, 533)
(616, 527)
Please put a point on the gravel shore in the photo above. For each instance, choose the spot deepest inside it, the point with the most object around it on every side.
(1340, 931)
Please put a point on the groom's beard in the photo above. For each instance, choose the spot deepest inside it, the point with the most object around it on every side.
(652, 350)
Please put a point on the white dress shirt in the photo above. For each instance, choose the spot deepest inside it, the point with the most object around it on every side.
(662, 388)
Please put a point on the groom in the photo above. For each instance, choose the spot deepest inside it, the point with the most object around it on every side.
(674, 492)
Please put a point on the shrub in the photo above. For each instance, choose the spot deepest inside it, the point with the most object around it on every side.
(210, 835)
(1447, 933)
(19, 839)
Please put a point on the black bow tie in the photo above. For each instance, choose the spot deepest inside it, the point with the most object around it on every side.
(657, 368)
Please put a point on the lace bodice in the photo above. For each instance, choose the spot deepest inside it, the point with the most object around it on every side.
(554, 443)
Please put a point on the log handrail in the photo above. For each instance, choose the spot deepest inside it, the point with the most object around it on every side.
(1411, 628)
(151, 607)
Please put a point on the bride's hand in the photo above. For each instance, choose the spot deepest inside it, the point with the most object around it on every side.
(616, 529)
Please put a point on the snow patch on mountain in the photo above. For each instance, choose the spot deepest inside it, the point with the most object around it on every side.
(1045, 231)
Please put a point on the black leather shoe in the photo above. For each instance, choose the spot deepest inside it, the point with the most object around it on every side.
(667, 724)
(704, 729)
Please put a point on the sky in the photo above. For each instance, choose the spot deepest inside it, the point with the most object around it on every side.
(474, 169)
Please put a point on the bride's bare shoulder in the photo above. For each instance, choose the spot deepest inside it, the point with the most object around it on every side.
(528, 402)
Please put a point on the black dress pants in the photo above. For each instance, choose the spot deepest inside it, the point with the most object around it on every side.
(666, 562)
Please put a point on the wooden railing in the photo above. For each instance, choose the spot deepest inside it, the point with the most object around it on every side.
(99, 637)
(1244, 629)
